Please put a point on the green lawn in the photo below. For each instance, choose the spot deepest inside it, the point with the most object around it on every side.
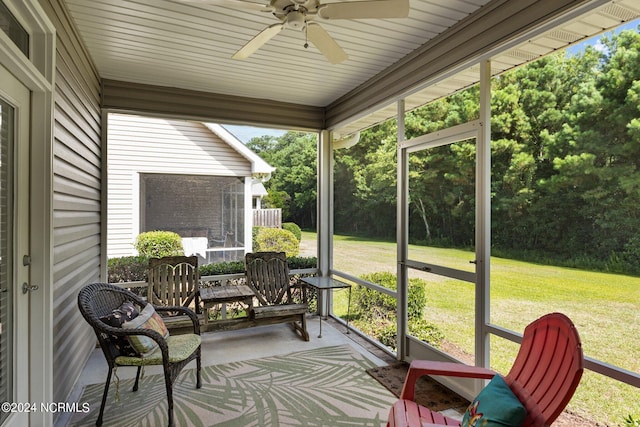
(604, 307)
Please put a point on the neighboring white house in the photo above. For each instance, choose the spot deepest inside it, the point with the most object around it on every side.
(189, 177)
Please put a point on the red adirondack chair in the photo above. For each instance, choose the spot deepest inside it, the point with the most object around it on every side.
(544, 376)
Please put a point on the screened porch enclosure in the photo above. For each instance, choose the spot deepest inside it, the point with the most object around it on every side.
(464, 280)
(206, 211)
(486, 303)
(86, 59)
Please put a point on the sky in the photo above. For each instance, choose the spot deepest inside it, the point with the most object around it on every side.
(245, 133)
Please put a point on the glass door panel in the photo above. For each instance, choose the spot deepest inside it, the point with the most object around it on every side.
(6, 246)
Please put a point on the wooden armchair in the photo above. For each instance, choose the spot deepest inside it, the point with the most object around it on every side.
(268, 276)
(543, 378)
(101, 304)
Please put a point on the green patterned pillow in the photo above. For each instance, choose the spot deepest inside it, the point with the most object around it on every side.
(147, 319)
(496, 405)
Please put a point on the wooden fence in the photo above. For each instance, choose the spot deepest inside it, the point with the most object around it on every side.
(267, 218)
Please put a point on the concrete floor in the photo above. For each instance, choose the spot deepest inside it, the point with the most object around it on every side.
(244, 344)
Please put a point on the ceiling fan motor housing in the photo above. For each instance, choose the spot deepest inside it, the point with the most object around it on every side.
(296, 19)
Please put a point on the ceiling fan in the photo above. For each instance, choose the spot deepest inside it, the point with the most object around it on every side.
(300, 14)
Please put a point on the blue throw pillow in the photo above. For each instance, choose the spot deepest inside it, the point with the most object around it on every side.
(496, 405)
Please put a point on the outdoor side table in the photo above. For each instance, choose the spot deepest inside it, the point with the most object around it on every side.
(215, 295)
(325, 284)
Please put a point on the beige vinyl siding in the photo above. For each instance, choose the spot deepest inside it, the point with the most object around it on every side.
(77, 159)
(154, 145)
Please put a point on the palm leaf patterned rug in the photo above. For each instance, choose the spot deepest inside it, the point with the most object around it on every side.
(328, 386)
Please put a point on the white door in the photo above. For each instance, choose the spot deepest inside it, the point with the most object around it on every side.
(15, 288)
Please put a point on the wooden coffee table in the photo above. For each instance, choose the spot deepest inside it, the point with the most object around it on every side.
(216, 295)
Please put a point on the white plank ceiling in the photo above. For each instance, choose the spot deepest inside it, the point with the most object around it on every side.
(189, 45)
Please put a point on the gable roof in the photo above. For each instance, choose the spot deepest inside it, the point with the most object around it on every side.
(258, 166)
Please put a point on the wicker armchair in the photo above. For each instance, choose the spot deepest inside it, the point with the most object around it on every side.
(98, 300)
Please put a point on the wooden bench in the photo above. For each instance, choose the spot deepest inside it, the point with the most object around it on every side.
(174, 281)
(268, 277)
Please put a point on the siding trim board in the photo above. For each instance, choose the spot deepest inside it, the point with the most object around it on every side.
(76, 199)
(152, 100)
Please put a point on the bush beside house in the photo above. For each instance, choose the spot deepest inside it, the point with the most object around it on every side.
(158, 244)
(293, 227)
(275, 240)
(127, 269)
(166, 243)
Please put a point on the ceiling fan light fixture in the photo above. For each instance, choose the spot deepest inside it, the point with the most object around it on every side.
(296, 19)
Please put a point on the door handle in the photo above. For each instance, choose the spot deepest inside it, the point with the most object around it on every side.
(28, 288)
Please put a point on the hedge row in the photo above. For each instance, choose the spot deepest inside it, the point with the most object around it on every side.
(134, 268)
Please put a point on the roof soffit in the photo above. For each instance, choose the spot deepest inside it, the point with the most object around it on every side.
(497, 25)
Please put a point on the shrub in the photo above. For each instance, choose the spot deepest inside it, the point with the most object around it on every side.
(127, 269)
(232, 267)
(426, 331)
(302, 262)
(277, 240)
(384, 330)
(370, 299)
(134, 268)
(293, 227)
(159, 244)
(254, 237)
(375, 312)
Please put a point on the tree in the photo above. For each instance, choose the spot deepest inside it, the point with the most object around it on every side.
(365, 183)
(565, 163)
(292, 186)
(599, 156)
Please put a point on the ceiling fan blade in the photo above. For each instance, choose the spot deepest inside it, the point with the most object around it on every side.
(256, 43)
(372, 9)
(233, 4)
(325, 43)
